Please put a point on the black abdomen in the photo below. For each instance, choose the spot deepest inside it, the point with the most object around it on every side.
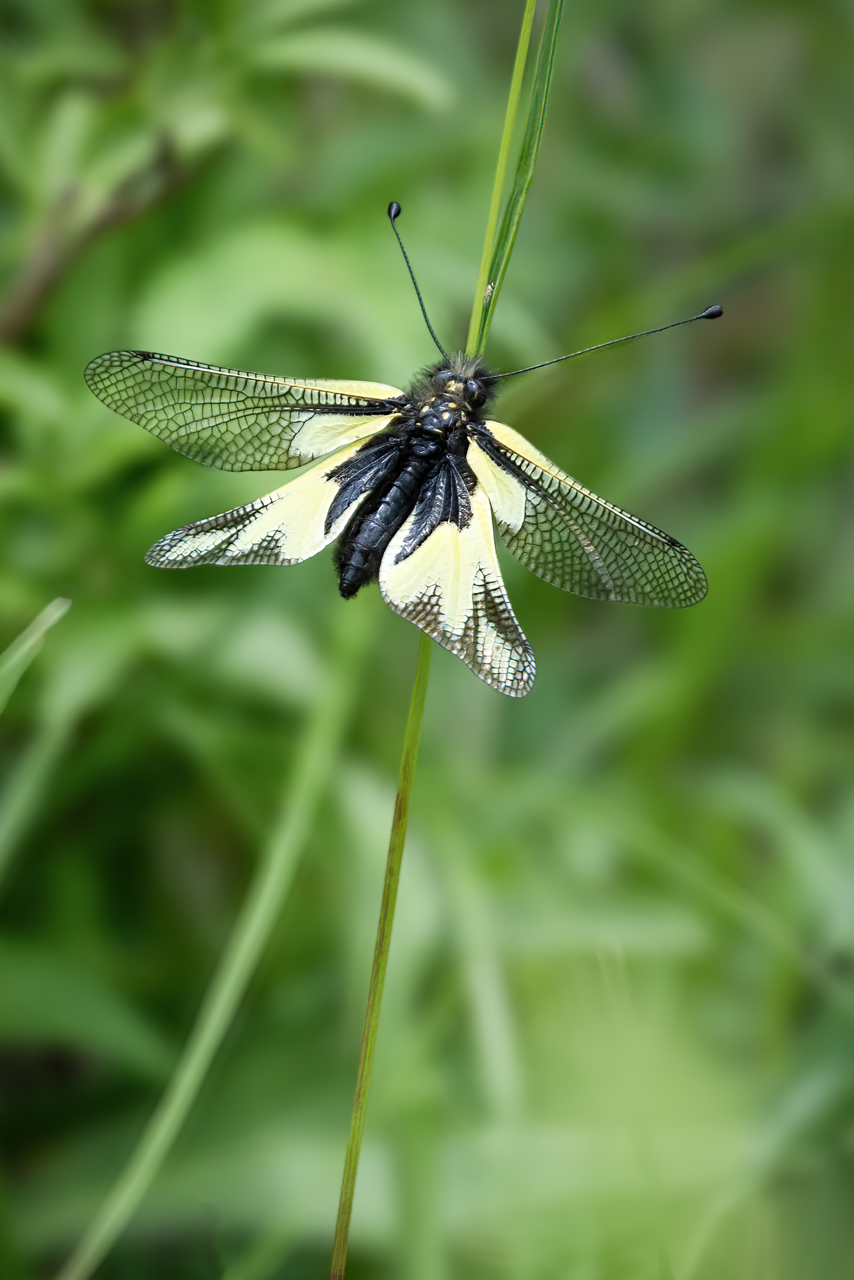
(400, 477)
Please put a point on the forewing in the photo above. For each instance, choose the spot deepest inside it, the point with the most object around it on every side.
(283, 527)
(238, 421)
(450, 586)
(565, 534)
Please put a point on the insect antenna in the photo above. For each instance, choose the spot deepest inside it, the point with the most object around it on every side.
(711, 313)
(393, 212)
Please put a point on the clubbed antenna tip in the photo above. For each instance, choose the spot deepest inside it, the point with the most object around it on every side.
(394, 212)
(711, 313)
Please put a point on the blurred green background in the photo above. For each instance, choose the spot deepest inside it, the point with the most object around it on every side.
(618, 1039)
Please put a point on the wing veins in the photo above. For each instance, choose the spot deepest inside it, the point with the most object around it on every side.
(512, 461)
(237, 420)
(304, 412)
(562, 524)
(150, 358)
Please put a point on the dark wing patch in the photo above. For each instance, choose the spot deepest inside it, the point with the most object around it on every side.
(444, 498)
(573, 539)
(372, 465)
(239, 421)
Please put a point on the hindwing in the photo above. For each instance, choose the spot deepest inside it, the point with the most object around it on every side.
(570, 537)
(239, 421)
(283, 527)
(440, 571)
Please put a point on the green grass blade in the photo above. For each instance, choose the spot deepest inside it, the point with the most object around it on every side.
(20, 653)
(26, 787)
(524, 173)
(500, 171)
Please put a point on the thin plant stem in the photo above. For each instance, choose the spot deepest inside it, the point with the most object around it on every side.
(496, 253)
(250, 934)
(500, 172)
(381, 946)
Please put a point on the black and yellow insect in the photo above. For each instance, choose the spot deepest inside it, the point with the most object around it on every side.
(408, 486)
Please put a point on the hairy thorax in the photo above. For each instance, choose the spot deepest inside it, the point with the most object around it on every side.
(419, 457)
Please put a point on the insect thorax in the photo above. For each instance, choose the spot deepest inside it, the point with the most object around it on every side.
(450, 394)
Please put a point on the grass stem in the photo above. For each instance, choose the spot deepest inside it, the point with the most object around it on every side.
(500, 173)
(481, 313)
(378, 969)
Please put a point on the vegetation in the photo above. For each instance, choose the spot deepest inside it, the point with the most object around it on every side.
(618, 1020)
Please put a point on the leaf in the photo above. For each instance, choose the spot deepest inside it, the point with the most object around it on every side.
(354, 56)
(264, 17)
(93, 659)
(272, 656)
(65, 138)
(266, 269)
(45, 999)
(20, 653)
(27, 387)
(515, 207)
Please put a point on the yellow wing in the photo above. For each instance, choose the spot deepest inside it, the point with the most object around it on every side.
(450, 586)
(284, 527)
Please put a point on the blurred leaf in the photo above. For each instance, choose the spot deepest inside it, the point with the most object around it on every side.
(29, 388)
(45, 1000)
(65, 139)
(271, 655)
(637, 929)
(264, 16)
(79, 673)
(270, 270)
(20, 653)
(354, 56)
(276, 1171)
(85, 669)
(26, 786)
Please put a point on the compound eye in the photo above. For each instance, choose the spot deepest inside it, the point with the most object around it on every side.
(474, 389)
(443, 377)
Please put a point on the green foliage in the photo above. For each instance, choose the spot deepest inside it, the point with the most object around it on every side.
(617, 1029)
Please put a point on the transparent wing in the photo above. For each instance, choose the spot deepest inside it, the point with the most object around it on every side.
(283, 527)
(565, 534)
(450, 586)
(238, 421)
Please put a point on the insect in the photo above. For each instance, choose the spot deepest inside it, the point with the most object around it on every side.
(407, 488)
